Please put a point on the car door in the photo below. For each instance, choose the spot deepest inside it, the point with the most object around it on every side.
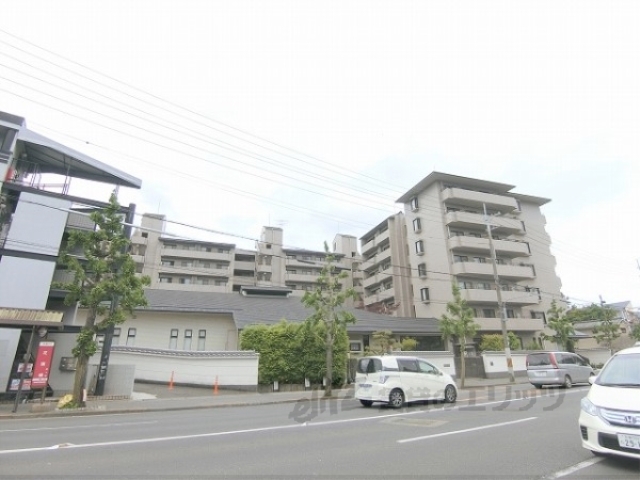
(432, 382)
(410, 378)
(585, 369)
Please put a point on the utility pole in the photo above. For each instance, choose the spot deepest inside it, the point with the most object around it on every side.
(501, 305)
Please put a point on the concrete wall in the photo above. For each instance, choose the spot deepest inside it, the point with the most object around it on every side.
(9, 338)
(595, 355)
(238, 369)
(495, 364)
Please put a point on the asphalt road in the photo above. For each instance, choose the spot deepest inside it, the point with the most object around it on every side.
(503, 432)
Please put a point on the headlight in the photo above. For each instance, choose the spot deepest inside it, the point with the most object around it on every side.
(588, 407)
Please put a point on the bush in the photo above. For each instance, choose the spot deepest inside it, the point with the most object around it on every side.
(293, 352)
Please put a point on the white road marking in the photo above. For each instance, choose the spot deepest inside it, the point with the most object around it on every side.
(466, 430)
(574, 468)
(77, 427)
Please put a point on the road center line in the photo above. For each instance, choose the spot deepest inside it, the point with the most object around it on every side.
(574, 468)
(466, 430)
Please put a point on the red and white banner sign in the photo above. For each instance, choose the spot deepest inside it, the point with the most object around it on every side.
(42, 365)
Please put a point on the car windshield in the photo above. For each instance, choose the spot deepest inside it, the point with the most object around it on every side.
(621, 371)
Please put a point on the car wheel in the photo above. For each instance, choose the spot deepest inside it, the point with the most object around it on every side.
(366, 403)
(567, 382)
(537, 385)
(396, 398)
(450, 394)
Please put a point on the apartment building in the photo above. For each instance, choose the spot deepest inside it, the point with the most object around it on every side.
(194, 265)
(36, 214)
(451, 224)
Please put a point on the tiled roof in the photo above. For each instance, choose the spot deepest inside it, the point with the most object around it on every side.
(252, 309)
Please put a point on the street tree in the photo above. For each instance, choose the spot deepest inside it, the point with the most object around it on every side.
(635, 332)
(495, 343)
(458, 323)
(607, 330)
(384, 341)
(104, 282)
(327, 300)
(562, 325)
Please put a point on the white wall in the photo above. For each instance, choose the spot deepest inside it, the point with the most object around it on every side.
(9, 338)
(25, 282)
(495, 364)
(231, 369)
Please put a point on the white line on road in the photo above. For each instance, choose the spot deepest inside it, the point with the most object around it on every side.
(77, 427)
(466, 430)
(574, 468)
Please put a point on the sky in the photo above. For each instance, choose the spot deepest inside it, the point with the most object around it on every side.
(317, 116)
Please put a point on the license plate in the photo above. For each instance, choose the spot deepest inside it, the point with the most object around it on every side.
(364, 385)
(540, 374)
(629, 441)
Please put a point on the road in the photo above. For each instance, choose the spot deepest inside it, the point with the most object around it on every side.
(502, 432)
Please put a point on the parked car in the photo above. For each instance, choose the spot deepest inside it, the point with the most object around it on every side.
(396, 380)
(610, 413)
(557, 368)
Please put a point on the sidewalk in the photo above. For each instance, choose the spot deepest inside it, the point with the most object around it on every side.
(148, 397)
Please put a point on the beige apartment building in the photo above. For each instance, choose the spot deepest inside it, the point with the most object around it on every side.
(411, 259)
(200, 266)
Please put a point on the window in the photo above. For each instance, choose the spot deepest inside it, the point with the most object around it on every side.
(420, 247)
(414, 203)
(173, 339)
(116, 336)
(145, 235)
(488, 313)
(424, 294)
(465, 285)
(188, 334)
(166, 280)
(186, 263)
(355, 346)
(422, 270)
(460, 258)
(426, 367)
(202, 337)
(407, 365)
(479, 259)
(417, 227)
(131, 337)
(185, 280)
(510, 313)
(167, 263)
(484, 286)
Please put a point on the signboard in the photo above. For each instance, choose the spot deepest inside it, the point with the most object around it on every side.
(42, 367)
(15, 382)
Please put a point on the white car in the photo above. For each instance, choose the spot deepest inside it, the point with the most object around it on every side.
(396, 380)
(610, 413)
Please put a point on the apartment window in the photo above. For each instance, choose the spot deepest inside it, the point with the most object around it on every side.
(167, 263)
(541, 315)
(202, 338)
(115, 339)
(185, 280)
(221, 283)
(417, 227)
(488, 313)
(465, 285)
(484, 286)
(206, 264)
(414, 203)
(420, 247)
(173, 339)
(170, 246)
(475, 235)
(479, 259)
(422, 270)
(188, 334)
(131, 337)
(510, 313)
(186, 263)
(457, 233)
(424, 294)
(166, 280)
(385, 266)
(460, 258)
(145, 235)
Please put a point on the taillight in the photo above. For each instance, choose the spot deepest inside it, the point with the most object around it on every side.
(554, 364)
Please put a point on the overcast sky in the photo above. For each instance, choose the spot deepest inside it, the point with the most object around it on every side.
(317, 116)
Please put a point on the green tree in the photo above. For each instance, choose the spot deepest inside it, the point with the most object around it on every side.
(495, 343)
(635, 332)
(327, 299)
(562, 325)
(606, 331)
(104, 282)
(458, 323)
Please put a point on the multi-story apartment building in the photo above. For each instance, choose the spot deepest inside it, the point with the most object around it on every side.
(36, 214)
(451, 224)
(194, 265)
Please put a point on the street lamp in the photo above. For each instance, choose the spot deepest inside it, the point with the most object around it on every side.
(501, 305)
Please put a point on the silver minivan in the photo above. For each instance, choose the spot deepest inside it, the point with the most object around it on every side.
(557, 368)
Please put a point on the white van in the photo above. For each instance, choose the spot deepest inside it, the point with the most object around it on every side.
(396, 380)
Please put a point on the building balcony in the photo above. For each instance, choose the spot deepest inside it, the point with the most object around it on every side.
(485, 270)
(138, 240)
(62, 276)
(191, 287)
(509, 297)
(196, 254)
(500, 224)
(78, 221)
(504, 248)
(513, 324)
(475, 199)
(375, 242)
(379, 296)
(190, 271)
(139, 259)
(244, 265)
(376, 279)
(376, 259)
(301, 277)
